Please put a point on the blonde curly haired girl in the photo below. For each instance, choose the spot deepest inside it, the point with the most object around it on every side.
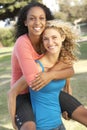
(70, 47)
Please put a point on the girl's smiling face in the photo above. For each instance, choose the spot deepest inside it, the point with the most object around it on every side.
(36, 21)
(52, 40)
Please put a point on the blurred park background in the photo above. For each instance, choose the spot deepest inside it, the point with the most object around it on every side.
(72, 11)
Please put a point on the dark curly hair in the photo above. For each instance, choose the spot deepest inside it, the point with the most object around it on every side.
(20, 27)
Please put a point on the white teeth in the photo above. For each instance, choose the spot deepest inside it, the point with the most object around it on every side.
(37, 29)
(52, 47)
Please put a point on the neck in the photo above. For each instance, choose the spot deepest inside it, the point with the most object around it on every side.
(35, 41)
(51, 59)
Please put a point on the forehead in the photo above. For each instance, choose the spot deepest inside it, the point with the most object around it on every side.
(51, 31)
(36, 10)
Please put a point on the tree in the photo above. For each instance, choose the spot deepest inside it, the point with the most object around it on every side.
(72, 10)
(10, 8)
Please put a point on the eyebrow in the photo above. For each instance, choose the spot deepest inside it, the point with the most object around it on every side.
(35, 16)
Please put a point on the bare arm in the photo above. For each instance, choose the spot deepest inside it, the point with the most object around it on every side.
(18, 87)
(59, 71)
(67, 87)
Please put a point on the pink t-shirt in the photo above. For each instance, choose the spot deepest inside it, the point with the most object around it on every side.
(23, 60)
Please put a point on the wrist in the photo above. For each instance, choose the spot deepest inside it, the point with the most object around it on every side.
(52, 75)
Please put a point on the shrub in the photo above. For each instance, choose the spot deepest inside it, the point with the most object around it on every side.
(7, 36)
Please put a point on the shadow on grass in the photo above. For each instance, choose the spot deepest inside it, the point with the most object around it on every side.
(1, 53)
(3, 128)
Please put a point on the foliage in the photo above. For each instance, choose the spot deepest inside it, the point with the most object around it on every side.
(61, 16)
(73, 12)
(70, 10)
(10, 8)
(7, 36)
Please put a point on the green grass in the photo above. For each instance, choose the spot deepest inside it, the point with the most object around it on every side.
(5, 76)
(78, 82)
(83, 50)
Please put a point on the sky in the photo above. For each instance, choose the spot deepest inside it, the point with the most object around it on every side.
(52, 4)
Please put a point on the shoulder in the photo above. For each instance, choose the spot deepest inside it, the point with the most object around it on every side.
(23, 45)
(23, 41)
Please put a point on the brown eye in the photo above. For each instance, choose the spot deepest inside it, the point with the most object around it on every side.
(45, 39)
(32, 18)
(54, 37)
(42, 19)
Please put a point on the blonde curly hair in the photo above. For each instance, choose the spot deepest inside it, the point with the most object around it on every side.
(69, 45)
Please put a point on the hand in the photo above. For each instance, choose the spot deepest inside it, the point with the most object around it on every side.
(41, 80)
(65, 115)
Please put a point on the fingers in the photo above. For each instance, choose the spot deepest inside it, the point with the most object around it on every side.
(40, 81)
(36, 81)
(65, 115)
(37, 85)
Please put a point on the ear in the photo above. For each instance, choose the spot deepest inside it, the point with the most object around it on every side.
(63, 37)
(25, 23)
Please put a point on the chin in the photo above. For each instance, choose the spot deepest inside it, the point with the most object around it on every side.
(38, 33)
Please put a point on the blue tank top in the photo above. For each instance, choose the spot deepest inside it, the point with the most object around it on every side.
(45, 103)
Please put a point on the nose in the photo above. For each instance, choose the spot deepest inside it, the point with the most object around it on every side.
(37, 21)
(50, 42)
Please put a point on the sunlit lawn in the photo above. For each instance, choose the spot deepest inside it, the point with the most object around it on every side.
(78, 82)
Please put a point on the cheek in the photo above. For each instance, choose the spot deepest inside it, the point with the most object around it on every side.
(60, 41)
(60, 45)
(44, 44)
(45, 41)
(29, 22)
